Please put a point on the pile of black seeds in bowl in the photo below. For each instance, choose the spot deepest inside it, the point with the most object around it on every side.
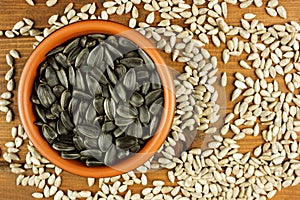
(97, 98)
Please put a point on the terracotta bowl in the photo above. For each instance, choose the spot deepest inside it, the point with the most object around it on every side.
(26, 107)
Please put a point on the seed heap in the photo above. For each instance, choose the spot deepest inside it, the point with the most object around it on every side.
(98, 98)
(219, 171)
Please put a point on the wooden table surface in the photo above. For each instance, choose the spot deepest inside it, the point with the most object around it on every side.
(13, 11)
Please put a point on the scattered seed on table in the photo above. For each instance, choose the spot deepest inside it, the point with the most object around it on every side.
(15, 54)
(9, 34)
(10, 85)
(150, 18)
(18, 25)
(249, 16)
(281, 12)
(91, 181)
(30, 2)
(4, 102)
(9, 60)
(37, 195)
(272, 12)
(51, 3)
(224, 79)
(9, 74)
(9, 116)
(4, 109)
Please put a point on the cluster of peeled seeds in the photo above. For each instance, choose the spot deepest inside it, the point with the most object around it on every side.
(9, 77)
(219, 171)
(98, 98)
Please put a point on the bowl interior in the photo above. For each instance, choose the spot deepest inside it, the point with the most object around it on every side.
(26, 107)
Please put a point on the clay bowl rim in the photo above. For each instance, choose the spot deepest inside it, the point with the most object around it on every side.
(28, 117)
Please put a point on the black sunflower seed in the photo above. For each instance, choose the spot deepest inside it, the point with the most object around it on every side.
(62, 60)
(112, 76)
(92, 153)
(95, 56)
(65, 99)
(56, 50)
(72, 76)
(110, 108)
(125, 142)
(90, 143)
(121, 122)
(70, 155)
(60, 128)
(45, 95)
(62, 76)
(156, 107)
(56, 109)
(127, 44)
(78, 142)
(129, 80)
(66, 120)
(148, 61)
(41, 112)
(111, 156)
(58, 90)
(135, 130)
(113, 52)
(62, 146)
(136, 99)
(108, 127)
(127, 111)
(81, 57)
(51, 77)
(144, 114)
(72, 45)
(132, 62)
(98, 104)
(152, 96)
(93, 163)
(88, 130)
(49, 133)
(93, 85)
(120, 70)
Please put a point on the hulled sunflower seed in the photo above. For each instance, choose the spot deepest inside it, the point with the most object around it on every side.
(272, 12)
(9, 74)
(281, 12)
(30, 2)
(10, 85)
(9, 60)
(224, 79)
(91, 181)
(150, 18)
(37, 195)
(15, 54)
(51, 3)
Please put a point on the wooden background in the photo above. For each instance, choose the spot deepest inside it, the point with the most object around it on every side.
(13, 11)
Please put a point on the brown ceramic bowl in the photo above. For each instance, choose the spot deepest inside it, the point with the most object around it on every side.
(26, 107)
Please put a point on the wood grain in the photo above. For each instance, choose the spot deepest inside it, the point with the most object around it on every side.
(13, 11)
